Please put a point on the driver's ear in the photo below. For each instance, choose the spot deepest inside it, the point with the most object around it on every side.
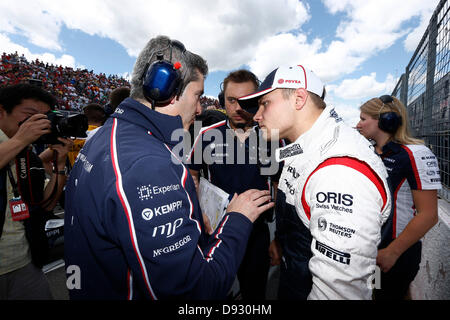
(301, 95)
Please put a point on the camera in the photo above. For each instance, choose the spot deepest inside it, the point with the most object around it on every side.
(64, 126)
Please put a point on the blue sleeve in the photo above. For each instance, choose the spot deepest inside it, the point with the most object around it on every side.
(158, 224)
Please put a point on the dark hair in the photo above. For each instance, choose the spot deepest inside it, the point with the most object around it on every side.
(319, 101)
(118, 95)
(240, 76)
(95, 113)
(12, 96)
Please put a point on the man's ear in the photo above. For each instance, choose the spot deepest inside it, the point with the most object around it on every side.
(301, 96)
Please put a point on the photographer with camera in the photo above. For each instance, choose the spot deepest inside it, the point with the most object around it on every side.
(25, 199)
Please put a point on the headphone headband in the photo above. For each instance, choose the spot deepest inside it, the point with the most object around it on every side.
(162, 79)
(388, 121)
(386, 98)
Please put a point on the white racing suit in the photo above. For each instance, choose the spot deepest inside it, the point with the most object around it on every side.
(333, 198)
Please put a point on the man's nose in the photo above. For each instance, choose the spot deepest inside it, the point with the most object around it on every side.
(258, 115)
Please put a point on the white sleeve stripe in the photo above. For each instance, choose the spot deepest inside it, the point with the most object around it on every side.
(126, 206)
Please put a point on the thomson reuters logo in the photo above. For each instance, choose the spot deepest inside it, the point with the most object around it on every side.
(322, 223)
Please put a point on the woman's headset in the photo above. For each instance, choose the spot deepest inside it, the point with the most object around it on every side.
(162, 79)
(389, 121)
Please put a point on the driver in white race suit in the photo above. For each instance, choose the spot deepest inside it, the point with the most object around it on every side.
(332, 197)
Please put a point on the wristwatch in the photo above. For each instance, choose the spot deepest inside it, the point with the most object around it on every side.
(63, 172)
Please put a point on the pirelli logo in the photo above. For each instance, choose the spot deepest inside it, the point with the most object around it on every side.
(338, 256)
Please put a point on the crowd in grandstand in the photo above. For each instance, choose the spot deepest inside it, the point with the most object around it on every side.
(73, 88)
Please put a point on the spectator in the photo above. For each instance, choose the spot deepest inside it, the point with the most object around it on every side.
(72, 88)
(414, 180)
(133, 226)
(22, 240)
(207, 102)
(115, 98)
(333, 195)
(234, 176)
(96, 116)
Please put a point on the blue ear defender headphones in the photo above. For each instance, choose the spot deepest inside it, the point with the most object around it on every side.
(162, 79)
(389, 121)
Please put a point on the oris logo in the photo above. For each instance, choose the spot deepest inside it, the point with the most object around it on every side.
(335, 198)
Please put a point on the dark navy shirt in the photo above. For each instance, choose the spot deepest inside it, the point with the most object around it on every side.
(232, 165)
(133, 226)
(409, 167)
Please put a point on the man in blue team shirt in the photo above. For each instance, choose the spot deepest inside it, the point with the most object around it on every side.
(133, 227)
(240, 160)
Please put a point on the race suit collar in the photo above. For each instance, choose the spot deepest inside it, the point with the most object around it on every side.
(310, 138)
(160, 125)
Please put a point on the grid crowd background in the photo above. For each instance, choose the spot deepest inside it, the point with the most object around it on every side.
(73, 88)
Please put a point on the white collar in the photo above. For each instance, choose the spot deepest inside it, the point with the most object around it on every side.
(308, 138)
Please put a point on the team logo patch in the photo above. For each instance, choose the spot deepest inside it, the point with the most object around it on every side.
(148, 214)
(290, 151)
(322, 223)
(334, 115)
(333, 254)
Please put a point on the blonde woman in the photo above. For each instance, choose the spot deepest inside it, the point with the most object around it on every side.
(414, 180)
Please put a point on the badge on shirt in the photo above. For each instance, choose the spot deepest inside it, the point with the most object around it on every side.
(288, 151)
(19, 209)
